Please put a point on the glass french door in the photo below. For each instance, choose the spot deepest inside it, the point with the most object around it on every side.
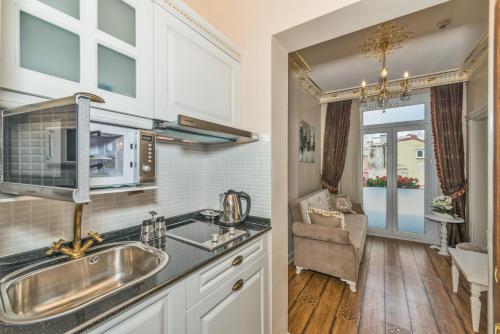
(398, 170)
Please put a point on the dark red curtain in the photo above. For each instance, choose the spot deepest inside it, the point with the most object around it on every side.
(446, 103)
(338, 119)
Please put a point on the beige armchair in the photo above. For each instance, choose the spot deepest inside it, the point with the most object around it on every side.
(330, 250)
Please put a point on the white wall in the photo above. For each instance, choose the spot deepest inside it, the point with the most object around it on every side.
(477, 156)
(189, 178)
(303, 177)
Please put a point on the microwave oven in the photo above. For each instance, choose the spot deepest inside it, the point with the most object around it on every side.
(52, 150)
(121, 156)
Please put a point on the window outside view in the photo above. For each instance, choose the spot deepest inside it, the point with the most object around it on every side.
(375, 178)
(411, 181)
(409, 155)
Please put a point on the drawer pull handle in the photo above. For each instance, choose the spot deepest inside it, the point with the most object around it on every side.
(237, 261)
(238, 285)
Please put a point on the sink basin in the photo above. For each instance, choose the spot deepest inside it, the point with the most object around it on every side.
(55, 287)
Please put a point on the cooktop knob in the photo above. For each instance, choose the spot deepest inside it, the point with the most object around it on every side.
(146, 168)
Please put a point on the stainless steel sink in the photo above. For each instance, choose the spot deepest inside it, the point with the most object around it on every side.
(53, 288)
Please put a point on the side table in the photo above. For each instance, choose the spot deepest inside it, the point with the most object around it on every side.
(443, 249)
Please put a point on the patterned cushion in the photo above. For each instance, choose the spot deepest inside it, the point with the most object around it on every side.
(341, 203)
(326, 218)
(318, 199)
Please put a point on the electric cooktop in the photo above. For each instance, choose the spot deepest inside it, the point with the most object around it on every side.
(208, 236)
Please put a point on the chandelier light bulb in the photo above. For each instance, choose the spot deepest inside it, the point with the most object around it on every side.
(363, 83)
(406, 75)
(384, 73)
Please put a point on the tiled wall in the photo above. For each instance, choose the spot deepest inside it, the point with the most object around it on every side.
(189, 178)
(240, 168)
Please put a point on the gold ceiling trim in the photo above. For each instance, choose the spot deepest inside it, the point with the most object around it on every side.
(299, 63)
(465, 72)
(395, 86)
(387, 38)
(477, 58)
(300, 68)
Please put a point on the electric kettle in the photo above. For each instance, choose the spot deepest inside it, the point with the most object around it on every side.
(230, 207)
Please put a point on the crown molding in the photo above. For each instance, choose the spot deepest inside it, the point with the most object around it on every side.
(469, 68)
(300, 68)
(200, 25)
(477, 58)
(395, 86)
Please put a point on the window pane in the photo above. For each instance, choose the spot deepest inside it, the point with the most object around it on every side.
(116, 72)
(393, 115)
(411, 181)
(117, 19)
(49, 49)
(375, 179)
(70, 7)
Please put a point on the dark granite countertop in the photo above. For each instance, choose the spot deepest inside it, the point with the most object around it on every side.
(184, 260)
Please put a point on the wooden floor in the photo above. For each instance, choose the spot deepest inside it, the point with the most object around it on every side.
(403, 287)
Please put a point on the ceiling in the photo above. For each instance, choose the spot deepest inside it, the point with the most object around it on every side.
(336, 65)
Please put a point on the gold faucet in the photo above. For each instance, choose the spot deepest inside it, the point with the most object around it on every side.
(78, 250)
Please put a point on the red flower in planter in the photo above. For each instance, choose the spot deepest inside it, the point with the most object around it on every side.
(403, 182)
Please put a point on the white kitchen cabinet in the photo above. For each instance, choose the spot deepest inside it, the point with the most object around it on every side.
(235, 300)
(193, 76)
(55, 48)
(234, 308)
(162, 314)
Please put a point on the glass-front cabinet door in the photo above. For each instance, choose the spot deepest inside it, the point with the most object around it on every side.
(54, 48)
(123, 48)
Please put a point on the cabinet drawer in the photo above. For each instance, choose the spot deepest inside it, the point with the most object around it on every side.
(238, 306)
(208, 279)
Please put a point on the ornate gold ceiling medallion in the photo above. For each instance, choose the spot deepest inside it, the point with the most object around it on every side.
(387, 38)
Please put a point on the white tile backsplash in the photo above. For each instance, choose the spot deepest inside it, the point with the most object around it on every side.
(242, 167)
(189, 178)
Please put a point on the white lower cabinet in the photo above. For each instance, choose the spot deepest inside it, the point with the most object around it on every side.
(161, 314)
(239, 306)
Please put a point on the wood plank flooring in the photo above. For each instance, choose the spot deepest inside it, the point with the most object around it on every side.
(403, 287)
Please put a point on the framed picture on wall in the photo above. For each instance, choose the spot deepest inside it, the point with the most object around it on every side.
(307, 145)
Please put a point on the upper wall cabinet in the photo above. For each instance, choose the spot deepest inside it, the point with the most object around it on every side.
(54, 48)
(193, 76)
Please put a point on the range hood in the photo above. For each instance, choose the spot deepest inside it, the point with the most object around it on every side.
(190, 130)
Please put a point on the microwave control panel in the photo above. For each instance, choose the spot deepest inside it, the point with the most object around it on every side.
(147, 156)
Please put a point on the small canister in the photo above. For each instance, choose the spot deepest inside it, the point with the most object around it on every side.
(160, 227)
(147, 230)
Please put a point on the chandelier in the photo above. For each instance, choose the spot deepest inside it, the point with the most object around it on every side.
(388, 38)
